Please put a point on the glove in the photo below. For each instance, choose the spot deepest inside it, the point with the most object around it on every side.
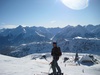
(50, 63)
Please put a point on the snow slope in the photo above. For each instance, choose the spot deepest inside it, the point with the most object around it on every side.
(29, 66)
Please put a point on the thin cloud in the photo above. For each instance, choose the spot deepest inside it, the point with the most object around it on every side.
(11, 26)
(53, 22)
(8, 26)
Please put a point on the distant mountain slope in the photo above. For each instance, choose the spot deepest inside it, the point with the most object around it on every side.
(71, 32)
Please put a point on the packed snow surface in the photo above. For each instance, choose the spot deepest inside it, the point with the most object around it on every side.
(33, 65)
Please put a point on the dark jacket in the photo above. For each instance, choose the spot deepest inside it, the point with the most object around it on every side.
(56, 53)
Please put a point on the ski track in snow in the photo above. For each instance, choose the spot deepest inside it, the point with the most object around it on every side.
(28, 66)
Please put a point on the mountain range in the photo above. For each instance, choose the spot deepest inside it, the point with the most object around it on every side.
(21, 39)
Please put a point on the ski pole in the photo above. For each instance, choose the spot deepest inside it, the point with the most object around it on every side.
(49, 69)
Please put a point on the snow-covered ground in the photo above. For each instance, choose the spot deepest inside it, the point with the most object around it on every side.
(29, 66)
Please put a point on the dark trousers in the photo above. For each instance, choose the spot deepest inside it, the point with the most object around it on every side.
(55, 67)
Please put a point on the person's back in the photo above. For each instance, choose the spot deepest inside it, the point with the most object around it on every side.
(56, 53)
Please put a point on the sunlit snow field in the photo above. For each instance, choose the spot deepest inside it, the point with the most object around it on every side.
(28, 66)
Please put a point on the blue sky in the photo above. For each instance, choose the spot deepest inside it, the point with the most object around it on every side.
(47, 13)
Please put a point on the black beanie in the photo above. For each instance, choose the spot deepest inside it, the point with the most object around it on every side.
(54, 42)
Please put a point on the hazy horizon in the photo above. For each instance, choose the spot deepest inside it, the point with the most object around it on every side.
(45, 27)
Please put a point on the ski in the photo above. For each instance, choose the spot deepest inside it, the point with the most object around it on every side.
(45, 73)
(56, 74)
